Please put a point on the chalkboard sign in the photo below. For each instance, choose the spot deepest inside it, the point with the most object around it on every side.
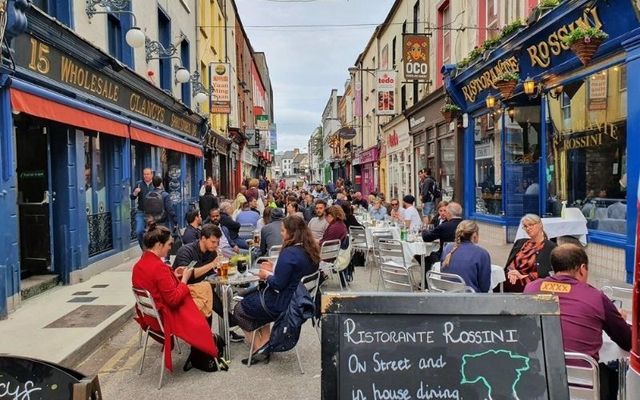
(28, 378)
(396, 346)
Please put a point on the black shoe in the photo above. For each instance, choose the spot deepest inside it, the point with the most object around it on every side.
(235, 338)
(259, 356)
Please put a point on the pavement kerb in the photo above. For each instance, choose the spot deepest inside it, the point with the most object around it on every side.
(88, 347)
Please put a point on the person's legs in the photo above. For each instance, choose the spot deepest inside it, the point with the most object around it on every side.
(427, 209)
(140, 225)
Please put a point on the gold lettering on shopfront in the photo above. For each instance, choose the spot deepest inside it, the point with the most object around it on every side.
(540, 54)
(147, 108)
(182, 124)
(600, 131)
(76, 75)
(39, 57)
(489, 78)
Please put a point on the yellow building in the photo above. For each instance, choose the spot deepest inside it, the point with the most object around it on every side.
(211, 48)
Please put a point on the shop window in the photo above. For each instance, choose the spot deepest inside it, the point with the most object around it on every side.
(62, 10)
(565, 105)
(171, 162)
(96, 195)
(488, 165)
(446, 35)
(447, 170)
(492, 19)
(185, 89)
(587, 160)
(117, 26)
(164, 37)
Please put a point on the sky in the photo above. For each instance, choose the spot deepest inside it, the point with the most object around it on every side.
(305, 63)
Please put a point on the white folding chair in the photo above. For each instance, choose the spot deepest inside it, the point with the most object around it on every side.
(329, 251)
(393, 266)
(583, 376)
(358, 237)
(147, 307)
(442, 282)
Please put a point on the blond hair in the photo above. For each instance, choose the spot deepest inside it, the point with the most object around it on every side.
(464, 232)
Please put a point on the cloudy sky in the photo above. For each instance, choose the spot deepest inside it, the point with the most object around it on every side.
(306, 62)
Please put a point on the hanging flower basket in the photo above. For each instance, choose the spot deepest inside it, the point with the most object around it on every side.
(506, 87)
(586, 48)
(450, 112)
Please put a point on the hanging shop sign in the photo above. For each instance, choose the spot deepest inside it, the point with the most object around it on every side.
(46, 60)
(598, 92)
(273, 137)
(220, 84)
(262, 122)
(415, 53)
(386, 90)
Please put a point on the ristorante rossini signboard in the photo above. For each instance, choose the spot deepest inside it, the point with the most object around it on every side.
(44, 59)
(539, 52)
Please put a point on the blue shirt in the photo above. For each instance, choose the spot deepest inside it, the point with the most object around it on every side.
(378, 214)
(472, 263)
(248, 218)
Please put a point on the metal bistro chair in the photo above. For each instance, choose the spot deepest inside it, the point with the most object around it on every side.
(442, 282)
(329, 251)
(147, 307)
(393, 266)
(307, 281)
(358, 237)
(374, 249)
(312, 283)
(584, 378)
(246, 231)
(274, 251)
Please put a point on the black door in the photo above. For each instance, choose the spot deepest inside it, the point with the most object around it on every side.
(33, 198)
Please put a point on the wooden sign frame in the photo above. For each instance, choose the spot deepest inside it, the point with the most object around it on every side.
(337, 306)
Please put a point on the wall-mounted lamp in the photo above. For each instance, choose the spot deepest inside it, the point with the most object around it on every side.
(182, 75)
(134, 37)
(490, 101)
(529, 86)
(511, 112)
(154, 47)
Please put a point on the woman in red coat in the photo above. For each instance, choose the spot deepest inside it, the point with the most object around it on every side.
(179, 314)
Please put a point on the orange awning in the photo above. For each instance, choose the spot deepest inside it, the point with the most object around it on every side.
(160, 141)
(48, 109)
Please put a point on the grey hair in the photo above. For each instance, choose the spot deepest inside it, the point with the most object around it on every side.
(532, 218)
(455, 209)
(226, 206)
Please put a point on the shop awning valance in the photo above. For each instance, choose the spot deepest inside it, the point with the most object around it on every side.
(145, 136)
(48, 109)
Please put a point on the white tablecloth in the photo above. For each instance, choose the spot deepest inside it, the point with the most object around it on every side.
(497, 274)
(556, 227)
(610, 351)
(395, 232)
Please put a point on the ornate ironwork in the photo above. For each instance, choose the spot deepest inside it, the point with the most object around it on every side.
(152, 47)
(110, 5)
(100, 233)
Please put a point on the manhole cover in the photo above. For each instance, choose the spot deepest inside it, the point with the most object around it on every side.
(87, 316)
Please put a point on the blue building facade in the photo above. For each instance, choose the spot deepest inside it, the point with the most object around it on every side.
(77, 128)
(572, 141)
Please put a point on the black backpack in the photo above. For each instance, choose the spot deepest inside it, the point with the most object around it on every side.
(204, 362)
(154, 206)
(436, 193)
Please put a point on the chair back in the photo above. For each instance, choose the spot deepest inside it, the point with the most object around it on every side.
(329, 250)
(312, 283)
(583, 376)
(146, 305)
(393, 268)
(358, 236)
(246, 231)
(274, 251)
(442, 282)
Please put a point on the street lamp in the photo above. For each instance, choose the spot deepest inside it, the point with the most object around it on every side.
(134, 37)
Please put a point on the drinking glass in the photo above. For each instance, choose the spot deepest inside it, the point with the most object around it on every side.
(242, 267)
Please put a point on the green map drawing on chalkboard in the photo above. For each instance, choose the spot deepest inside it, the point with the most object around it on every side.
(498, 370)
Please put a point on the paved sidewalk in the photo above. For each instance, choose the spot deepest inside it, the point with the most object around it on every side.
(67, 323)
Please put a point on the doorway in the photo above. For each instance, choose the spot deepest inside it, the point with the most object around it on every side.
(34, 198)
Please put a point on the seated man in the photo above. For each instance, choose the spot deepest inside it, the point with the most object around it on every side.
(247, 216)
(584, 310)
(271, 235)
(228, 246)
(232, 226)
(446, 231)
(192, 231)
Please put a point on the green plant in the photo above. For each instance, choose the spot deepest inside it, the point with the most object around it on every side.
(511, 28)
(509, 76)
(450, 107)
(549, 3)
(490, 44)
(463, 63)
(580, 34)
(475, 54)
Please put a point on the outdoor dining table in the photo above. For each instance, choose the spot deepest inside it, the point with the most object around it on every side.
(225, 289)
(556, 227)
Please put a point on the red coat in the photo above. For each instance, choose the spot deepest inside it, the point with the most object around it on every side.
(180, 315)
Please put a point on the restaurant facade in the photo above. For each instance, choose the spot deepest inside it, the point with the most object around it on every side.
(562, 140)
(77, 129)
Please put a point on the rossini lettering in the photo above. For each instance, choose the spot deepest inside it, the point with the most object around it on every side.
(540, 54)
(489, 78)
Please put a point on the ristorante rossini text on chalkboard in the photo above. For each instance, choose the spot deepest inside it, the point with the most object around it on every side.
(441, 346)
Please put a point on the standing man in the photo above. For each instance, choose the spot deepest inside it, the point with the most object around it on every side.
(142, 187)
(158, 207)
(207, 201)
(428, 193)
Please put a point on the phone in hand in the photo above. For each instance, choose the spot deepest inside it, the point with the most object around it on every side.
(192, 265)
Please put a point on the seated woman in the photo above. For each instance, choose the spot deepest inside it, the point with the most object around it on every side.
(441, 216)
(178, 312)
(349, 219)
(529, 259)
(337, 228)
(378, 211)
(468, 260)
(299, 257)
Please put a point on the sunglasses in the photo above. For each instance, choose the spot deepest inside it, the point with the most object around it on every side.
(395, 204)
